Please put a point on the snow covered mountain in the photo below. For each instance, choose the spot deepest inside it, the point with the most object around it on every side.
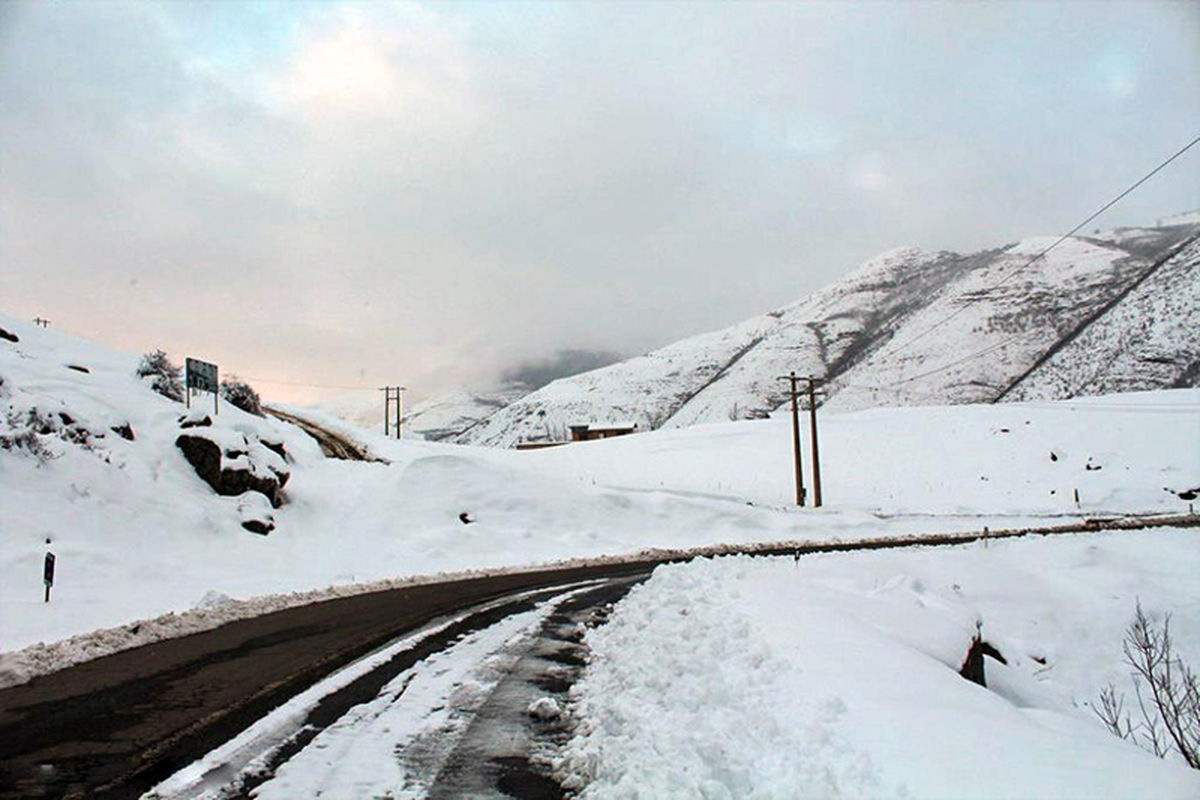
(1104, 313)
(448, 415)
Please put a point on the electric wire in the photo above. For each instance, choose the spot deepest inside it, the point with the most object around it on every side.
(311, 385)
(1005, 276)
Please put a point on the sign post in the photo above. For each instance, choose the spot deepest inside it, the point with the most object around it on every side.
(202, 376)
(48, 573)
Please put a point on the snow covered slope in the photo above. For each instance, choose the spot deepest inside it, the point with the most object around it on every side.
(138, 533)
(909, 327)
(449, 415)
(1152, 336)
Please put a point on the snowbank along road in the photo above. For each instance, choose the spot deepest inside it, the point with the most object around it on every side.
(116, 726)
(124, 724)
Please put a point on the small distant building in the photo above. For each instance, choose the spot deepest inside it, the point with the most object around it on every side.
(588, 433)
(537, 445)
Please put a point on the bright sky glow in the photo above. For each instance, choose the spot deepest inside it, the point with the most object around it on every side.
(428, 193)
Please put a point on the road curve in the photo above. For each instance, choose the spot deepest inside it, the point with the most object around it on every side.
(116, 726)
(332, 444)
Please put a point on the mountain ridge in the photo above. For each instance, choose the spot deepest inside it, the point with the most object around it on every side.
(884, 335)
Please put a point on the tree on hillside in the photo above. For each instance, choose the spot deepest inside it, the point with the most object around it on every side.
(164, 377)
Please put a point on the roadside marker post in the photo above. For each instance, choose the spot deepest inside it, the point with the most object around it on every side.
(48, 573)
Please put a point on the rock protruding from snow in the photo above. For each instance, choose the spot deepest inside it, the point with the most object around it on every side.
(255, 510)
(195, 419)
(233, 463)
(544, 708)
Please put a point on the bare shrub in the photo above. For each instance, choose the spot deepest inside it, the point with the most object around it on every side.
(1167, 693)
(239, 393)
(165, 377)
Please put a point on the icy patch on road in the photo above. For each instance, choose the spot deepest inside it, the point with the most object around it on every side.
(839, 675)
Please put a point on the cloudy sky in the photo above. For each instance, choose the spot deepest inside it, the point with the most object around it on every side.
(360, 194)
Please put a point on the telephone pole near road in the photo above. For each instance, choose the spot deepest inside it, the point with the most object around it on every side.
(796, 439)
(392, 393)
(816, 456)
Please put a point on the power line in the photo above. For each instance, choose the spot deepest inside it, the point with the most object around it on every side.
(944, 367)
(1004, 277)
(310, 385)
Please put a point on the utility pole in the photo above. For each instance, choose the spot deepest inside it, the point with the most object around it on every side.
(400, 411)
(41, 323)
(392, 393)
(796, 439)
(816, 456)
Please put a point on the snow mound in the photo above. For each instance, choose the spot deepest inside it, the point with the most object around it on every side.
(213, 599)
(839, 675)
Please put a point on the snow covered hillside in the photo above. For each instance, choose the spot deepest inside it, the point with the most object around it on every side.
(443, 416)
(449, 415)
(89, 459)
(912, 327)
(1148, 338)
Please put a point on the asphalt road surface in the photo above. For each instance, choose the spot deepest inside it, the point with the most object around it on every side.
(118, 725)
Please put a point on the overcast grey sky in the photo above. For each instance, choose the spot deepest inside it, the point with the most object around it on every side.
(429, 193)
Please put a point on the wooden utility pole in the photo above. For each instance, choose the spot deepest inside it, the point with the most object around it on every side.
(816, 455)
(392, 393)
(796, 439)
(400, 411)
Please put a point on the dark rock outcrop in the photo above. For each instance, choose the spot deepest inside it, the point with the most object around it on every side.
(972, 668)
(275, 446)
(243, 473)
(258, 526)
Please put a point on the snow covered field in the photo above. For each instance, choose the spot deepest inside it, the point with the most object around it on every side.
(138, 534)
(838, 676)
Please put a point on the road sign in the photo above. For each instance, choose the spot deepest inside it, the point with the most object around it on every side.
(48, 574)
(202, 376)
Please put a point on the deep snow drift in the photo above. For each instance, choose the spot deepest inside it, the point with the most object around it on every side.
(838, 676)
(138, 534)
